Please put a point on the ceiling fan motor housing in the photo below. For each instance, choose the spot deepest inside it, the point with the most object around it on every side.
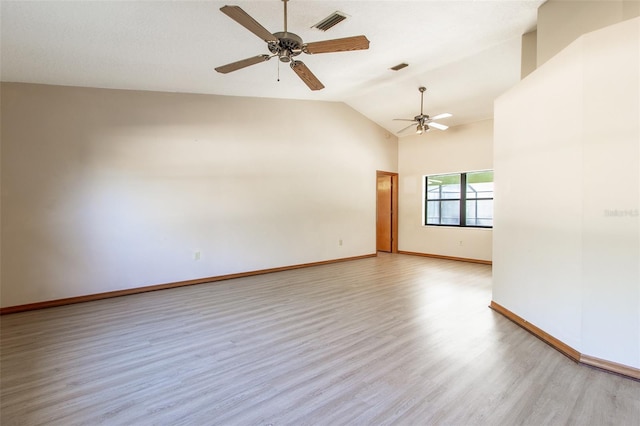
(288, 45)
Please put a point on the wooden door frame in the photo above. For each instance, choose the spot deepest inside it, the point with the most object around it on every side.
(394, 207)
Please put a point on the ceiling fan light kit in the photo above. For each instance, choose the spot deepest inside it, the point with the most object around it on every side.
(423, 122)
(286, 46)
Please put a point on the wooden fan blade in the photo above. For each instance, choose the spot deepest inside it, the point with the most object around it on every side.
(234, 66)
(409, 126)
(337, 45)
(306, 75)
(438, 126)
(443, 115)
(243, 18)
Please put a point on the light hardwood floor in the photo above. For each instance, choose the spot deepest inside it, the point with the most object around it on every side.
(394, 339)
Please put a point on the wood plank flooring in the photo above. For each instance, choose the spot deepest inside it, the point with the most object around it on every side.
(394, 339)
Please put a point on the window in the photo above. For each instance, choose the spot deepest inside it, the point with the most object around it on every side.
(460, 199)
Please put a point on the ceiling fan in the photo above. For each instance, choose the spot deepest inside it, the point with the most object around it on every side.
(424, 121)
(286, 46)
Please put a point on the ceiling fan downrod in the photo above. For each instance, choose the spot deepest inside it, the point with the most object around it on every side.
(285, 15)
(422, 90)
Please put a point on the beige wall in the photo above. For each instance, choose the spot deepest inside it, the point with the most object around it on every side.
(528, 57)
(459, 149)
(560, 22)
(567, 171)
(110, 189)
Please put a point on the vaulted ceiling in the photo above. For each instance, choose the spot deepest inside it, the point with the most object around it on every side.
(465, 52)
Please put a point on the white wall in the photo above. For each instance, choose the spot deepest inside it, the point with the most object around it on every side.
(567, 157)
(458, 149)
(105, 190)
(560, 22)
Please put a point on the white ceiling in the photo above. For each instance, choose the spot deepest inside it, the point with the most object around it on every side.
(465, 52)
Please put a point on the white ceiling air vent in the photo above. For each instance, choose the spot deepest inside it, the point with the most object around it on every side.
(330, 21)
(399, 66)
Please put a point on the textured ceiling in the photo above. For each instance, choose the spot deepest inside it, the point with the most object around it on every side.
(465, 52)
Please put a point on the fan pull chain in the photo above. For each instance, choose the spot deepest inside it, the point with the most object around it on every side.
(279, 70)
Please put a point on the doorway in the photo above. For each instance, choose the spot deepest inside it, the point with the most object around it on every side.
(387, 212)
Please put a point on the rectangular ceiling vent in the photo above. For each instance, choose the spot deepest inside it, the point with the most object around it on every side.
(399, 66)
(330, 21)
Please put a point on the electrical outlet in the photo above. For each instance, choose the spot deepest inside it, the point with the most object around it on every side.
(196, 255)
(340, 242)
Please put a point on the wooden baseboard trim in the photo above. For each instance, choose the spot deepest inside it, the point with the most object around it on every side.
(542, 335)
(567, 350)
(439, 256)
(118, 293)
(611, 366)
